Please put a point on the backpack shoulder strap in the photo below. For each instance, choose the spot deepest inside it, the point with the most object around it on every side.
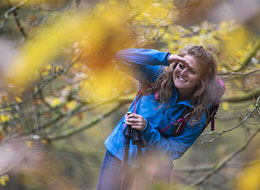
(182, 121)
(210, 117)
(185, 116)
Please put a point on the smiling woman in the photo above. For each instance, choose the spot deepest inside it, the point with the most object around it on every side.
(186, 75)
(171, 87)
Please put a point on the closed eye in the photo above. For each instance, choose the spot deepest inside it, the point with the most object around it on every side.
(192, 71)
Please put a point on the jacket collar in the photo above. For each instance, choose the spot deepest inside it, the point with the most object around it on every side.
(183, 102)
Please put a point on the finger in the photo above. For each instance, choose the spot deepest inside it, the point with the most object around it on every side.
(133, 124)
(185, 62)
(134, 115)
(137, 127)
(131, 115)
(133, 120)
(178, 58)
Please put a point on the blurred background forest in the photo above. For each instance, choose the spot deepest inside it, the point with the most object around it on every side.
(61, 94)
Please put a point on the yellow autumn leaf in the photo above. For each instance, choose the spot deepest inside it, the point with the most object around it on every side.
(202, 32)
(153, 12)
(249, 47)
(2, 182)
(225, 106)
(258, 66)
(6, 177)
(238, 41)
(71, 105)
(45, 73)
(35, 88)
(251, 106)
(176, 37)
(44, 141)
(35, 2)
(36, 73)
(103, 30)
(76, 65)
(4, 118)
(239, 53)
(4, 97)
(48, 67)
(55, 102)
(29, 144)
(249, 178)
(17, 99)
(58, 69)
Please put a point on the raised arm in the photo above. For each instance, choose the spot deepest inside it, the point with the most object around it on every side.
(142, 64)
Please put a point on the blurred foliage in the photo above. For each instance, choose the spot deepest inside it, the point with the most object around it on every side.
(249, 177)
(62, 79)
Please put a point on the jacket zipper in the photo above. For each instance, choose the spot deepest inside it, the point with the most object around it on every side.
(166, 108)
(156, 115)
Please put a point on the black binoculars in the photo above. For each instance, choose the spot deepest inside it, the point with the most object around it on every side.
(135, 134)
(137, 140)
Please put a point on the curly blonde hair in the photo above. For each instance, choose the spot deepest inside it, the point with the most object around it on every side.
(204, 93)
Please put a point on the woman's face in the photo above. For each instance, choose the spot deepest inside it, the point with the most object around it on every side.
(187, 75)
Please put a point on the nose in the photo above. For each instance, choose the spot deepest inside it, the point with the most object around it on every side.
(184, 72)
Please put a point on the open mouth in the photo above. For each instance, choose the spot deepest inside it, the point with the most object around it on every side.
(181, 79)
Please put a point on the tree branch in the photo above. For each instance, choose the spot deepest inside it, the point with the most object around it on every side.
(230, 129)
(17, 21)
(242, 97)
(218, 167)
(247, 60)
(211, 167)
(241, 74)
(82, 128)
(11, 10)
(47, 81)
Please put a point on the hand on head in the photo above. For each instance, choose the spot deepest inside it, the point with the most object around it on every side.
(175, 58)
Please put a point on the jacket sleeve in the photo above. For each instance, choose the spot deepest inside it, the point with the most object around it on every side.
(174, 147)
(142, 64)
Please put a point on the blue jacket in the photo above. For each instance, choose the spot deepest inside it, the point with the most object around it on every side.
(147, 64)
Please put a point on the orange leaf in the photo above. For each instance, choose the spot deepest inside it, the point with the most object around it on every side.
(2, 136)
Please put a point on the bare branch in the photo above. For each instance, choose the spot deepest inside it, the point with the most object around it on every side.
(211, 167)
(218, 167)
(82, 128)
(247, 60)
(242, 97)
(241, 74)
(43, 84)
(77, 110)
(11, 10)
(17, 21)
(48, 105)
(230, 129)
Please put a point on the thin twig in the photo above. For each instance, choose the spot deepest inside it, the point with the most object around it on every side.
(11, 10)
(247, 60)
(242, 96)
(80, 129)
(41, 86)
(241, 74)
(218, 167)
(211, 167)
(228, 130)
(17, 21)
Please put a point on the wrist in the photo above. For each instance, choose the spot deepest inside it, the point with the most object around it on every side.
(146, 126)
